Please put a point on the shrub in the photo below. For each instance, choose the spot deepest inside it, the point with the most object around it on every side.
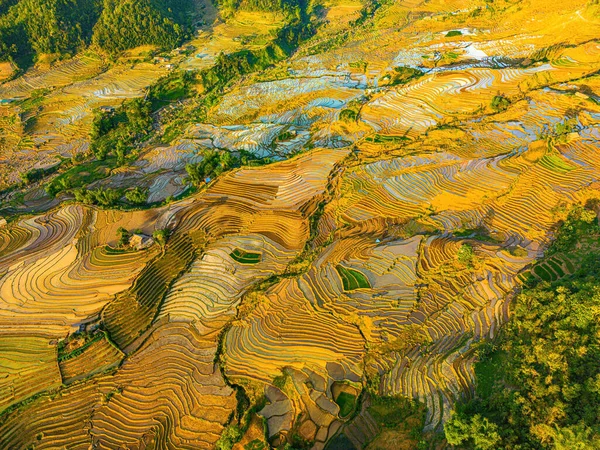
(348, 115)
(137, 195)
(161, 236)
(465, 255)
(476, 430)
(231, 435)
(123, 236)
(500, 103)
(100, 196)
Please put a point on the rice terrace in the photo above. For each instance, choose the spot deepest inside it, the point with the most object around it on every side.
(299, 224)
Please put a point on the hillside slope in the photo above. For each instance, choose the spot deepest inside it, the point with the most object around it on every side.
(305, 228)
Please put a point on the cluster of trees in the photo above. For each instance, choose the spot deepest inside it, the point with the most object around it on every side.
(29, 27)
(130, 23)
(34, 27)
(114, 132)
(213, 164)
(102, 197)
(137, 196)
(33, 175)
(538, 385)
(287, 7)
(216, 162)
(232, 66)
(109, 197)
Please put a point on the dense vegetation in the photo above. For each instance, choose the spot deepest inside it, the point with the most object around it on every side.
(117, 133)
(130, 23)
(538, 386)
(230, 67)
(287, 7)
(29, 28)
(352, 279)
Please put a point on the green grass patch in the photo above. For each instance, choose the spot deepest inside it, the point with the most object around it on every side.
(543, 273)
(352, 279)
(346, 402)
(453, 33)
(340, 442)
(89, 339)
(556, 164)
(81, 175)
(556, 267)
(487, 371)
(386, 139)
(244, 257)
(392, 412)
(526, 277)
(569, 264)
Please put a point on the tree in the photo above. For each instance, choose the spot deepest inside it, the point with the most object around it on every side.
(477, 432)
(465, 255)
(500, 103)
(137, 195)
(123, 236)
(100, 196)
(161, 235)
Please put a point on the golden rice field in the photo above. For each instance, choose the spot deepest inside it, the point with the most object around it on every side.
(334, 271)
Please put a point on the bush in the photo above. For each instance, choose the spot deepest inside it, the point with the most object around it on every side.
(500, 103)
(229, 437)
(213, 164)
(465, 255)
(100, 196)
(161, 236)
(478, 431)
(402, 75)
(348, 115)
(123, 236)
(137, 195)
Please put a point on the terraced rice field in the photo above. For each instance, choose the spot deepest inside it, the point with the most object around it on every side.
(385, 239)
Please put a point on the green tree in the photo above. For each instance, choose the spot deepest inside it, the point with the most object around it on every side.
(465, 255)
(123, 236)
(161, 236)
(476, 432)
(137, 195)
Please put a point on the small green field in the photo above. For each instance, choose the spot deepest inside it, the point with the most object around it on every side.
(87, 340)
(340, 442)
(81, 175)
(346, 402)
(386, 139)
(487, 372)
(352, 279)
(556, 164)
(244, 257)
